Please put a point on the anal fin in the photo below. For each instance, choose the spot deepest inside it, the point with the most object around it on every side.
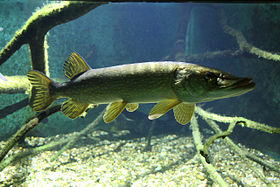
(113, 110)
(183, 112)
(73, 109)
(162, 107)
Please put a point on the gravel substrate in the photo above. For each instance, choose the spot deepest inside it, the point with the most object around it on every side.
(114, 161)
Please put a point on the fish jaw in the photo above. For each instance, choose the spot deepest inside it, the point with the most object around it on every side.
(236, 87)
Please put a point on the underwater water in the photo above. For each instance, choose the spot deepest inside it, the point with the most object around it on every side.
(45, 147)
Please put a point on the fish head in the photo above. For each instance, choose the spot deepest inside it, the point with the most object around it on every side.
(201, 84)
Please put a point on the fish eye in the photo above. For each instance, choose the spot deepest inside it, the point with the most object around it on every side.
(210, 75)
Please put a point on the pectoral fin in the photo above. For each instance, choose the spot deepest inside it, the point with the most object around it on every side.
(162, 107)
(183, 112)
(113, 110)
(73, 109)
(131, 107)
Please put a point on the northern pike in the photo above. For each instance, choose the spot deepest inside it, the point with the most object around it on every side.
(172, 85)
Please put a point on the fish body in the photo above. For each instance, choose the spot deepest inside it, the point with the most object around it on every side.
(134, 83)
(172, 85)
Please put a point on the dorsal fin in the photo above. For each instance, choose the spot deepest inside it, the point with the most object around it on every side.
(74, 66)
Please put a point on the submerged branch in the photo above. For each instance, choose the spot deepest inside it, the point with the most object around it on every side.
(33, 122)
(244, 154)
(242, 42)
(14, 85)
(214, 175)
(4, 163)
(36, 27)
(148, 146)
(194, 58)
(13, 108)
(18, 84)
(215, 137)
(241, 121)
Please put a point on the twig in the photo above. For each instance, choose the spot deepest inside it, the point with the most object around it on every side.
(76, 137)
(26, 128)
(242, 121)
(199, 147)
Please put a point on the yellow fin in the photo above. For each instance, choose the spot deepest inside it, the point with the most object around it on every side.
(73, 109)
(40, 97)
(113, 110)
(131, 107)
(162, 107)
(183, 112)
(75, 65)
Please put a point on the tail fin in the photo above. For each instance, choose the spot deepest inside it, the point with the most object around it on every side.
(40, 97)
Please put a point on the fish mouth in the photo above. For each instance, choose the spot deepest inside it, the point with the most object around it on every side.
(243, 84)
(240, 86)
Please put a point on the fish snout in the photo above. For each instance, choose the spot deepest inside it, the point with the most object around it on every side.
(245, 83)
